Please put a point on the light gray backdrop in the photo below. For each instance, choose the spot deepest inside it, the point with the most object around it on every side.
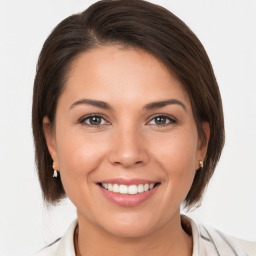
(227, 30)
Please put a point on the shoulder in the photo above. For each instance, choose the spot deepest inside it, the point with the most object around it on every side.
(249, 247)
(224, 244)
(208, 241)
(49, 250)
(63, 246)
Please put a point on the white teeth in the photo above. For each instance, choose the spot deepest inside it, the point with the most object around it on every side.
(116, 188)
(123, 189)
(109, 187)
(131, 189)
(146, 187)
(141, 188)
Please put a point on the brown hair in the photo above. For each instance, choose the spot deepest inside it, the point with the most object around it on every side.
(131, 23)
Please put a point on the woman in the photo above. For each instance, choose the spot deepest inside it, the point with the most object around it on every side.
(128, 123)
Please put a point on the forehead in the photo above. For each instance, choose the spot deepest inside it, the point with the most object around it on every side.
(112, 73)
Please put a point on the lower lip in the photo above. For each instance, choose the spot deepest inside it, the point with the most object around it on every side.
(127, 199)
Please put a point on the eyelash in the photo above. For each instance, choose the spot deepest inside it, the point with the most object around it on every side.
(171, 120)
(88, 117)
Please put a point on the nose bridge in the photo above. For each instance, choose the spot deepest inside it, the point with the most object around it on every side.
(128, 147)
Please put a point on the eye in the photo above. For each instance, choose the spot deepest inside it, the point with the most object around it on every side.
(162, 120)
(93, 120)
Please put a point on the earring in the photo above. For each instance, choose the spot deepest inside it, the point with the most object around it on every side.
(55, 172)
(201, 163)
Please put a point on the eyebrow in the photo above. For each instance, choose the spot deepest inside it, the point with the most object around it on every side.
(160, 104)
(95, 103)
(150, 106)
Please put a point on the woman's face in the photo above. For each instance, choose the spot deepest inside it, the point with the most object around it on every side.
(124, 124)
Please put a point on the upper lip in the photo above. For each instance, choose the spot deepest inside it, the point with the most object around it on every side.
(125, 181)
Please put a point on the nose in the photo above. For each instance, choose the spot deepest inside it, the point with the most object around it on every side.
(128, 148)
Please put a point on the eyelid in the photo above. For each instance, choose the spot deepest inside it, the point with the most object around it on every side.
(83, 118)
(172, 119)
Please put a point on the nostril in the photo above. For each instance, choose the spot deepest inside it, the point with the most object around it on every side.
(127, 158)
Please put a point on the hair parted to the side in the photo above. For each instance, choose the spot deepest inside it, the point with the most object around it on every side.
(131, 23)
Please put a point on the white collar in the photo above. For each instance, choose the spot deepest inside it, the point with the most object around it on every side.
(66, 243)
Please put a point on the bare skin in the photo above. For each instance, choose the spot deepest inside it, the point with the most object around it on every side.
(157, 243)
(124, 116)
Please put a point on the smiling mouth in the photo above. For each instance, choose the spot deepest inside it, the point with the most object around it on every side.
(128, 189)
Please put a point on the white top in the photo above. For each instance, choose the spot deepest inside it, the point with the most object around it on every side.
(207, 241)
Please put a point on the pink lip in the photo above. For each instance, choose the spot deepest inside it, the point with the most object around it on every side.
(126, 199)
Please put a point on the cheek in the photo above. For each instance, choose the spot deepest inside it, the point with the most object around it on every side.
(176, 154)
(78, 156)
(177, 150)
(78, 151)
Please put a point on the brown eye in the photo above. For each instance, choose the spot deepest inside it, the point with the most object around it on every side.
(93, 120)
(162, 120)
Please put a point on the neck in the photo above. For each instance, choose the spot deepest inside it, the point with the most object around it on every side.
(170, 239)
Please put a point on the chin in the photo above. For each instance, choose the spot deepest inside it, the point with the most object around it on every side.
(131, 225)
(129, 231)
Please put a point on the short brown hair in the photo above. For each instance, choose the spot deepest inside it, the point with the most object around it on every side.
(131, 23)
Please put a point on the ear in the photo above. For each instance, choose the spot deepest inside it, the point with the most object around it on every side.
(203, 144)
(49, 135)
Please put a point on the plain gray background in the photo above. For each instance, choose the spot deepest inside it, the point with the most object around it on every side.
(227, 30)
